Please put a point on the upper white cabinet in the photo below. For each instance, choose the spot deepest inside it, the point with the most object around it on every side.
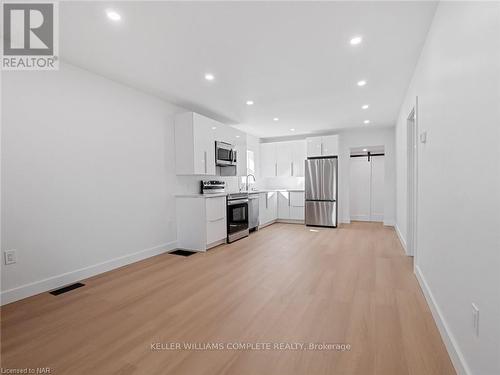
(314, 146)
(283, 159)
(268, 167)
(323, 146)
(195, 137)
(195, 144)
(299, 156)
(240, 141)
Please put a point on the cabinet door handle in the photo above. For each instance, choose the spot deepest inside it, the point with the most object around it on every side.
(291, 164)
(321, 148)
(289, 199)
(205, 159)
(267, 200)
(276, 169)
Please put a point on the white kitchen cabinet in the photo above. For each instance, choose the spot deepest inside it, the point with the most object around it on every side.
(201, 222)
(268, 208)
(283, 205)
(330, 145)
(240, 141)
(322, 146)
(297, 203)
(314, 147)
(194, 144)
(268, 159)
(299, 155)
(283, 159)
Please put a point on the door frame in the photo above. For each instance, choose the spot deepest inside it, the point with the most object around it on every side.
(412, 181)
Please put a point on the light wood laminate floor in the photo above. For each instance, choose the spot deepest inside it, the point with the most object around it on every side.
(283, 284)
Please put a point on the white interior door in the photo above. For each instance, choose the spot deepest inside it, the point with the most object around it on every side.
(360, 189)
(377, 188)
(367, 188)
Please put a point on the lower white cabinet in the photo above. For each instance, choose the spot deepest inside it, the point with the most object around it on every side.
(201, 222)
(283, 205)
(268, 207)
(291, 205)
(297, 203)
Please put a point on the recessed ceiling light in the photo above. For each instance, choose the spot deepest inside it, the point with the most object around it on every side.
(365, 106)
(366, 121)
(237, 136)
(292, 129)
(276, 119)
(361, 83)
(112, 15)
(249, 102)
(365, 149)
(214, 127)
(209, 77)
(356, 40)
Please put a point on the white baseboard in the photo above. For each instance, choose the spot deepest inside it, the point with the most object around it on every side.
(389, 223)
(290, 221)
(58, 281)
(401, 238)
(261, 226)
(456, 355)
(360, 218)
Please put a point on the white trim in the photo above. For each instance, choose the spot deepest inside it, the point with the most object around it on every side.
(401, 238)
(290, 221)
(456, 355)
(360, 218)
(267, 224)
(58, 281)
(389, 223)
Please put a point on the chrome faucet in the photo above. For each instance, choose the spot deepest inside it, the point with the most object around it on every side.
(246, 184)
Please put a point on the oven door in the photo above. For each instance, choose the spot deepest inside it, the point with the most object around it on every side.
(237, 219)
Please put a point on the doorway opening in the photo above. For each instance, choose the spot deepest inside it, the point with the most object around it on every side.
(411, 131)
(367, 183)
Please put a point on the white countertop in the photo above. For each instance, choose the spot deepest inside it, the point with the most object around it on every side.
(198, 195)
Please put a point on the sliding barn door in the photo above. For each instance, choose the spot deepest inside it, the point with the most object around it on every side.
(367, 188)
(360, 189)
(377, 188)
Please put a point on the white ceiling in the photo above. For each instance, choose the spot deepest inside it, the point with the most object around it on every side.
(294, 60)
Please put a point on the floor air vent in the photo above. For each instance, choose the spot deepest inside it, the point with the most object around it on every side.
(183, 253)
(66, 288)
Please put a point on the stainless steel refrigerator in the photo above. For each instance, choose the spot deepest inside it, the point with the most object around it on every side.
(321, 191)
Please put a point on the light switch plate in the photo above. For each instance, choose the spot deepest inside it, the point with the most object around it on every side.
(10, 257)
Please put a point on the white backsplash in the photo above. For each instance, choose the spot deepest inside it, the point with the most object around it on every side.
(284, 183)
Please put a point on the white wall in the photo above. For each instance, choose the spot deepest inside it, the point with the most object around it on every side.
(367, 137)
(87, 177)
(457, 81)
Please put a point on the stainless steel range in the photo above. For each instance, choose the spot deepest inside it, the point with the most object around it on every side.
(212, 187)
(237, 216)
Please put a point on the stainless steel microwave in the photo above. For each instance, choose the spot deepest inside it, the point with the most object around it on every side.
(225, 154)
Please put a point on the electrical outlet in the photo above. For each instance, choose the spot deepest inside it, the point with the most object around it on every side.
(475, 319)
(423, 137)
(10, 256)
